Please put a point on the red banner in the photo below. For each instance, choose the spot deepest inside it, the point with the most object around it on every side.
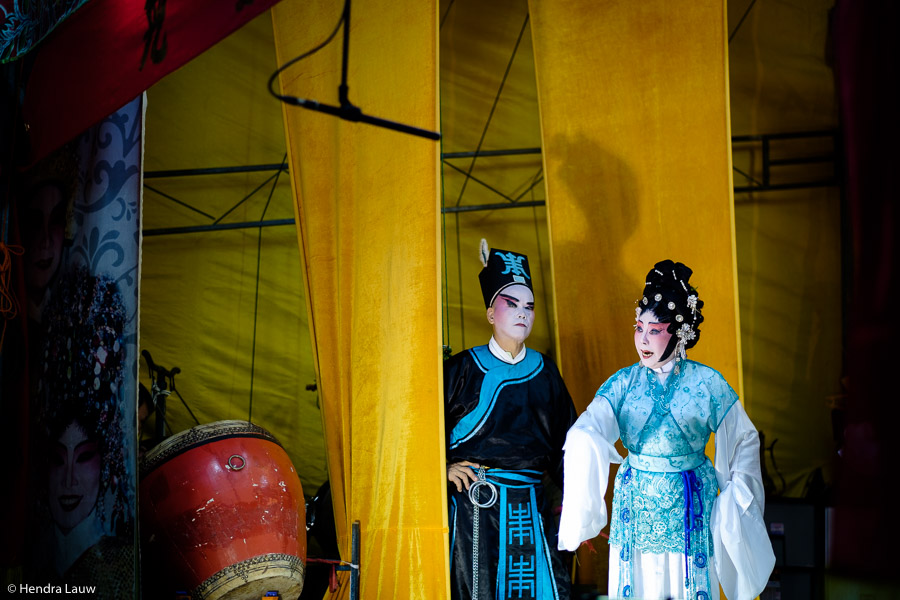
(110, 51)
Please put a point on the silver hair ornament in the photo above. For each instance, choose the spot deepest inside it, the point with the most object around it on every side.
(692, 303)
(685, 334)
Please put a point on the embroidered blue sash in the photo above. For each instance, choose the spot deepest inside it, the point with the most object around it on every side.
(667, 464)
(524, 569)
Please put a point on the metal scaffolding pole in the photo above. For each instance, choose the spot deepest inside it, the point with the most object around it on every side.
(762, 143)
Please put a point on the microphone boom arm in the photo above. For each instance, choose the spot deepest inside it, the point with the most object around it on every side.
(347, 110)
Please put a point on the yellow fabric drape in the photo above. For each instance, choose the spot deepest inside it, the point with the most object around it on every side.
(637, 161)
(367, 213)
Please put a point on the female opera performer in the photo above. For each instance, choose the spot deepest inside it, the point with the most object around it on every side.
(507, 412)
(84, 530)
(671, 536)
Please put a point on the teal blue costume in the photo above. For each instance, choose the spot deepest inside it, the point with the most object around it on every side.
(672, 533)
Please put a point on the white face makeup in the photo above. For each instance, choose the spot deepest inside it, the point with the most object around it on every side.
(650, 340)
(512, 316)
(74, 477)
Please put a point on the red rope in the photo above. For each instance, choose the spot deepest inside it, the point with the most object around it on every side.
(9, 308)
(332, 577)
(327, 561)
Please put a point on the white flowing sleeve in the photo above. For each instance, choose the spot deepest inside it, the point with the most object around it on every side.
(589, 450)
(743, 551)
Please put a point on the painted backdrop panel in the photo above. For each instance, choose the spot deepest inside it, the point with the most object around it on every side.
(81, 231)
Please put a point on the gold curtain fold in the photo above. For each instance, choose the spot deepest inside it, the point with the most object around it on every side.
(637, 160)
(367, 202)
(637, 154)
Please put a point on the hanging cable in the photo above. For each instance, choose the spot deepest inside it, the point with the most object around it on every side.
(256, 295)
(741, 22)
(279, 70)
(469, 173)
(462, 312)
(493, 108)
(444, 17)
(538, 177)
(346, 110)
(445, 288)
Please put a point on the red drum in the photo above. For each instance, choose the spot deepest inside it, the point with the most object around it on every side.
(222, 513)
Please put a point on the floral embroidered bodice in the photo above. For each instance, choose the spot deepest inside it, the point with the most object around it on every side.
(665, 427)
(672, 419)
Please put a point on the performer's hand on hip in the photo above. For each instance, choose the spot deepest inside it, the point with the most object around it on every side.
(461, 474)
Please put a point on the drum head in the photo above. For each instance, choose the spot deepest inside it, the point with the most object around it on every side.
(253, 578)
(197, 436)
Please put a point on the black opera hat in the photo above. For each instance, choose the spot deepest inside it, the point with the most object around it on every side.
(502, 268)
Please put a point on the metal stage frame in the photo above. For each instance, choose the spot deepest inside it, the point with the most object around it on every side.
(766, 147)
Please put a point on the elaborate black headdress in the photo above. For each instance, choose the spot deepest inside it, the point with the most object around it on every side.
(671, 297)
(83, 369)
(502, 269)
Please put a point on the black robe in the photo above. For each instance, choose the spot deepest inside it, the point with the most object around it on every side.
(512, 419)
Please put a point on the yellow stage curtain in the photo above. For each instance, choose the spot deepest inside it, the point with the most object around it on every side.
(637, 160)
(367, 202)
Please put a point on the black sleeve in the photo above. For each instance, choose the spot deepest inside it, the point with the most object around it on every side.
(455, 374)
